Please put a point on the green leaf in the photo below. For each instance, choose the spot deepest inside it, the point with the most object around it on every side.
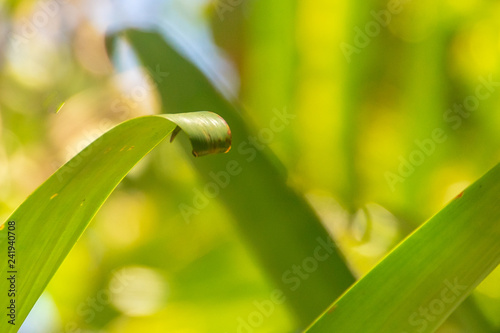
(418, 285)
(273, 219)
(50, 221)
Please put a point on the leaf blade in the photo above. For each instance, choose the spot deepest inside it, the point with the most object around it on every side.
(53, 217)
(419, 284)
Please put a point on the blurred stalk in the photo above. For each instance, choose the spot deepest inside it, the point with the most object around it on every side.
(359, 51)
(319, 96)
(269, 71)
(425, 106)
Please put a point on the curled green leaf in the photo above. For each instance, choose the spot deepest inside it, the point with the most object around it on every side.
(42, 231)
(208, 133)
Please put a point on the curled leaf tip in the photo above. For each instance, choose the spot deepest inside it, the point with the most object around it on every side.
(208, 132)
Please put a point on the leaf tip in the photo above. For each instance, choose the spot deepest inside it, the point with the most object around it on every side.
(174, 133)
(208, 132)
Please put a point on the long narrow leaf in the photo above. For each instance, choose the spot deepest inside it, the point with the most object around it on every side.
(42, 231)
(418, 285)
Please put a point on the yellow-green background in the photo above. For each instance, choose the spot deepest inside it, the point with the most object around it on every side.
(354, 121)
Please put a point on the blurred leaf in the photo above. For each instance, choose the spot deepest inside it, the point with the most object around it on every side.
(418, 285)
(51, 220)
(276, 222)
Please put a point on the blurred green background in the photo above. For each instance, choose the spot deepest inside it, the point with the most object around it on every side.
(393, 111)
